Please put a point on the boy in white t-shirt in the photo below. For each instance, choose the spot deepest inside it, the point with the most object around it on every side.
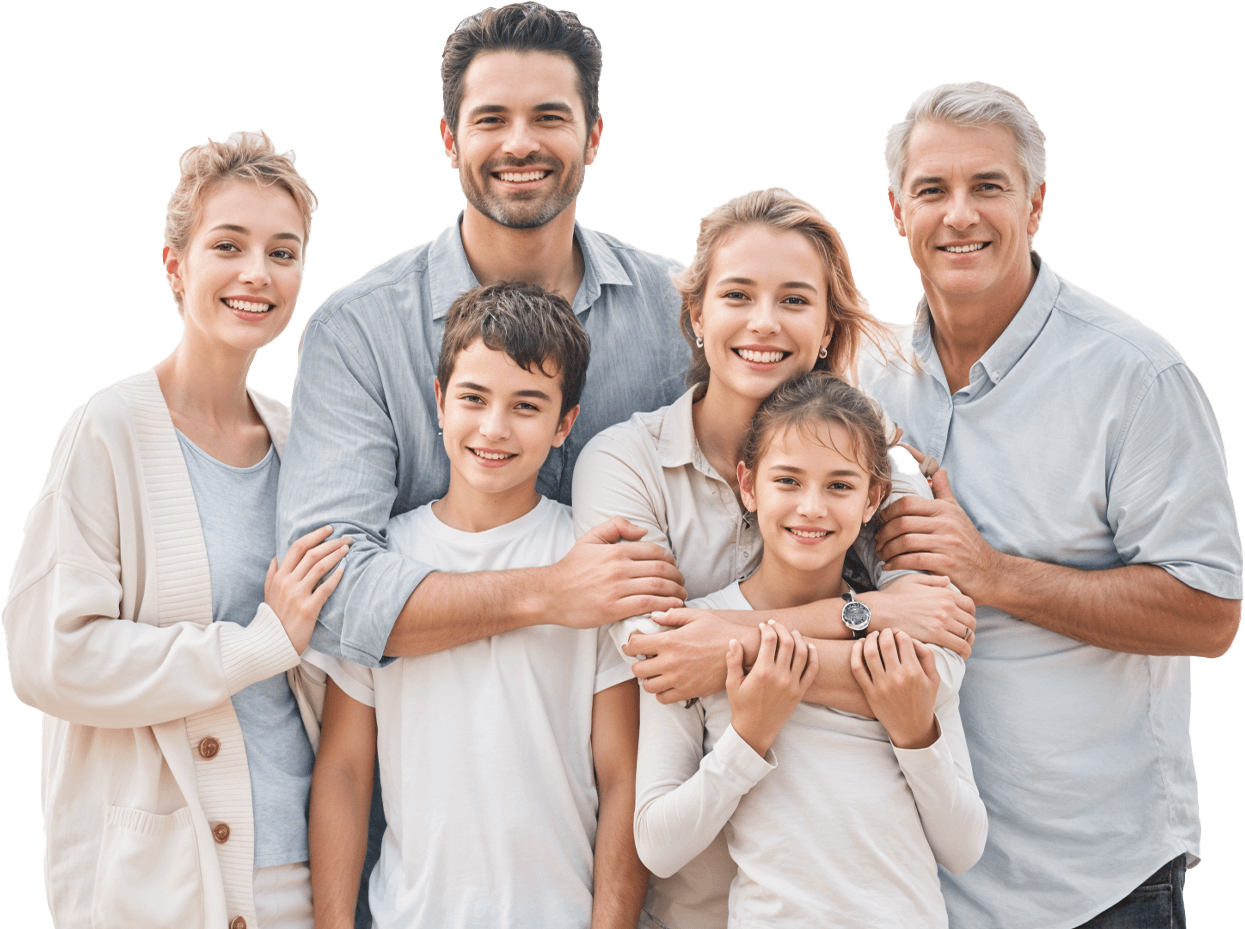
(508, 763)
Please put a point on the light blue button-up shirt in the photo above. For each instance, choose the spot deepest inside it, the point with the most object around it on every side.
(1082, 439)
(364, 442)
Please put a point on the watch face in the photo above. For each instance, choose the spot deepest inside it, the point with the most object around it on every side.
(855, 615)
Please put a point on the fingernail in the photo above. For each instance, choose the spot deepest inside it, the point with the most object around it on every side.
(771, 622)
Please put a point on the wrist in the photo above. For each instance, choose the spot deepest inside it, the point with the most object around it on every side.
(917, 738)
(537, 601)
(753, 732)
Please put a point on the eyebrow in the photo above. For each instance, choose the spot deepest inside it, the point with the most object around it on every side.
(550, 107)
(232, 227)
(481, 389)
(800, 285)
(979, 176)
(841, 472)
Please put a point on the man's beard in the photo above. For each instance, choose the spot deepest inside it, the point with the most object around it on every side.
(513, 211)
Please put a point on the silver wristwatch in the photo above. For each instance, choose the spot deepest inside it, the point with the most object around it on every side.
(855, 616)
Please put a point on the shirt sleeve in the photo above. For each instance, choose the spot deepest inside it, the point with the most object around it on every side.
(683, 796)
(340, 468)
(73, 652)
(612, 479)
(611, 667)
(356, 681)
(1169, 503)
(940, 777)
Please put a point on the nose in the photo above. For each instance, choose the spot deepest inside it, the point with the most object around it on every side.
(495, 424)
(764, 318)
(254, 269)
(961, 211)
(520, 140)
(812, 503)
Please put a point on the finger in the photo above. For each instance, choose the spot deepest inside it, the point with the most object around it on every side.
(904, 649)
(324, 590)
(640, 643)
(672, 618)
(272, 571)
(887, 649)
(326, 564)
(910, 505)
(645, 552)
(869, 653)
(941, 485)
(769, 642)
(859, 669)
(306, 565)
(734, 665)
(799, 654)
(294, 554)
(925, 655)
(786, 646)
(810, 669)
(914, 452)
(639, 604)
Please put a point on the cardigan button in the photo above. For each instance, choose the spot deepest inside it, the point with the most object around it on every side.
(237, 923)
(209, 747)
(220, 832)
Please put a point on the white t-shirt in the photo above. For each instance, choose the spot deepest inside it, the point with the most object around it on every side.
(485, 750)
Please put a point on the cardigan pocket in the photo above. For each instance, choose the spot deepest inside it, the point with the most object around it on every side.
(148, 873)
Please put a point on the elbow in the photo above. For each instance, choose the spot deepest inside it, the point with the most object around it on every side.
(968, 852)
(1221, 629)
(654, 854)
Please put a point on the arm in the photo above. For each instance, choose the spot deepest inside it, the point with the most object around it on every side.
(1137, 608)
(919, 707)
(619, 880)
(608, 575)
(74, 654)
(341, 796)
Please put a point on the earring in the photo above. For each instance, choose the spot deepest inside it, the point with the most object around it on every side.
(823, 353)
(700, 343)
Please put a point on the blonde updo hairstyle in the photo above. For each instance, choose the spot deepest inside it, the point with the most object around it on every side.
(246, 156)
(847, 314)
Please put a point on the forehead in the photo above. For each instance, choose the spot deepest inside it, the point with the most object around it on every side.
(263, 210)
(520, 80)
(762, 253)
(813, 446)
(500, 373)
(943, 150)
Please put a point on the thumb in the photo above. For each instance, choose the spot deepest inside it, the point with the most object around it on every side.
(734, 666)
(609, 532)
(941, 485)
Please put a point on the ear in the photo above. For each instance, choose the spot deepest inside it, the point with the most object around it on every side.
(875, 500)
(695, 311)
(1036, 204)
(747, 492)
(436, 390)
(172, 268)
(897, 210)
(564, 427)
(594, 141)
(829, 336)
(447, 139)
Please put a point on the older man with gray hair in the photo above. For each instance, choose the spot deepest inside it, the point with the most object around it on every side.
(1084, 507)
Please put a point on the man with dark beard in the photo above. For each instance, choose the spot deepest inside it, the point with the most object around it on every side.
(520, 125)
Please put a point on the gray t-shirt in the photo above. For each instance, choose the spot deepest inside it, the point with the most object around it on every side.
(237, 509)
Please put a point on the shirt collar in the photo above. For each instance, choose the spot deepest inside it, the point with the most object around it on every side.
(1015, 340)
(449, 272)
(677, 446)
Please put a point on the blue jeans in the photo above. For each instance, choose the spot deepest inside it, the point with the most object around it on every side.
(1157, 904)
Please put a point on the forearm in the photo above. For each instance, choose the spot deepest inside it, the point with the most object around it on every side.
(337, 836)
(449, 609)
(619, 879)
(835, 686)
(1140, 609)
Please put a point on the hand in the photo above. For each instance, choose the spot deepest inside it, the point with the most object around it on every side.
(610, 575)
(764, 699)
(291, 591)
(686, 662)
(928, 608)
(900, 681)
(938, 537)
(681, 616)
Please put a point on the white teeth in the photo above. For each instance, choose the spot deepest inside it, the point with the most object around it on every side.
(807, 534)
(492, 456)
(960, 249)
(247, 307)
(520, 177)
(760, 357)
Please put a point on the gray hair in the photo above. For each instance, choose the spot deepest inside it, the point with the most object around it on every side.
(973, 104)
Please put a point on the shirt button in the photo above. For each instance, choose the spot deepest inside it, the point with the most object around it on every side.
(746, 554)
(237, 923)
(209, 747)
(220, 832)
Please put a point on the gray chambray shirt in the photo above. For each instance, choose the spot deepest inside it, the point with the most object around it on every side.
(363, 442)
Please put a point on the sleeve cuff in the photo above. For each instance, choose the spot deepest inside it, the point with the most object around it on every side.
(739, 762)
(257, 651)
(347, 682)
(919, 761)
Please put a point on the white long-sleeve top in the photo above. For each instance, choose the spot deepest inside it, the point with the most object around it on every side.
(835, 826)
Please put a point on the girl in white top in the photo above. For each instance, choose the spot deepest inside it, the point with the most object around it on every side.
(832, 819)
(147, 615)
(768, 296)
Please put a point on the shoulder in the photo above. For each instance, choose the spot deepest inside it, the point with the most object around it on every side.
(633, 442)
(275, 414)
(1111, 332)
(385, 288)
(632, 257)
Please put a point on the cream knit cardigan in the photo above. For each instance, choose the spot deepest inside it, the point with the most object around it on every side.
(146, 792)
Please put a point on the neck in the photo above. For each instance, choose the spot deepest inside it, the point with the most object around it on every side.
(468, 510)
(964, 328)
(720, 420)
(547, 255)
(778, 586)
(207, 383)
